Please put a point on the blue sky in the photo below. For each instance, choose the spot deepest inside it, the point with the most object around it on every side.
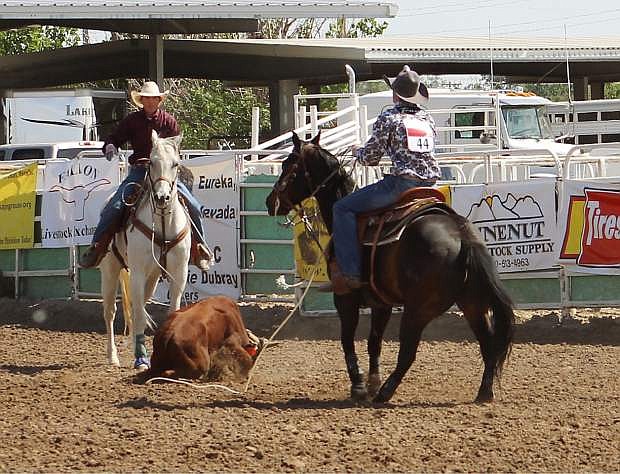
(507, 17)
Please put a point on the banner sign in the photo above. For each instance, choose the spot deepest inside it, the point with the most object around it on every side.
(516, 220)
(308, 233)
(590, 225)
(74, 192)
(216, 187)
(17, 200)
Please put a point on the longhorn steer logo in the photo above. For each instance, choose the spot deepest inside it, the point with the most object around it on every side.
(78, 195)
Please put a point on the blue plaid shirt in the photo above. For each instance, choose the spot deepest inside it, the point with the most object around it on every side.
(389, 137)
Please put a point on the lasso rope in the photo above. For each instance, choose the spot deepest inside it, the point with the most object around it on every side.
(247, 384)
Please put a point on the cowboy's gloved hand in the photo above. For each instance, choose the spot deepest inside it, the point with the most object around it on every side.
(354, 149)
(110, 151)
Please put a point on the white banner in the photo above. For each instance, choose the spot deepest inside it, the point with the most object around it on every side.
(74, 192)
(216, 187)
(516, 220)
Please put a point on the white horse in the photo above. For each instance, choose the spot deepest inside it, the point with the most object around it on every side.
(157, 235)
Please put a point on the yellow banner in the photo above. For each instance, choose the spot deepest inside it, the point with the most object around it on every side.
(308, 253)
(17, 198)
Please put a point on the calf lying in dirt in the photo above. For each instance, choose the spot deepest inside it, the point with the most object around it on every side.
(204, 340)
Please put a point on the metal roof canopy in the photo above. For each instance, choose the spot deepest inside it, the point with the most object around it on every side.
(189, 16)
(314, 61)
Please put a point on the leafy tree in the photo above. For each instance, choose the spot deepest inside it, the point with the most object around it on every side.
(206, 109)
(210, 114)
(612, 90)
(37, 38)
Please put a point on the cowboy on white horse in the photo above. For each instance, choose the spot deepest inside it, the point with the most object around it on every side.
(137, 129)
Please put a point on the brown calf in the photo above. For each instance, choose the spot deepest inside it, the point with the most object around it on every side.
(184, 346)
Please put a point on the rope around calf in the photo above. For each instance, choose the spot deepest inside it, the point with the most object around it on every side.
(247, 384)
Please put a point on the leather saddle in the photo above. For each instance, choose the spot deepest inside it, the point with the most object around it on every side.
(386, 225)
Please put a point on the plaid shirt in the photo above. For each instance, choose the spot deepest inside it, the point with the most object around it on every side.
(389, 137)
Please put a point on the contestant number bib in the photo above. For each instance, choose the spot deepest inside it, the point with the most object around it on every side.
(420, 137)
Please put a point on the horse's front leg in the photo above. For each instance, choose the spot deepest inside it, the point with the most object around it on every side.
(178, 279)
(379, 319)
(348, 310)
(137, 284)
(110, 269)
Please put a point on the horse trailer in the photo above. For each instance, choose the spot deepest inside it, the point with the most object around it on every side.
(59, 115)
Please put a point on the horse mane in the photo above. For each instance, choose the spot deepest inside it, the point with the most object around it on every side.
(346, 184)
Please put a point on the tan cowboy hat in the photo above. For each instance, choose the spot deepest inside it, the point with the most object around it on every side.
(149, 89)
(408, 86)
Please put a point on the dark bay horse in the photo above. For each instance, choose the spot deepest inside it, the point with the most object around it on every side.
(439, 260)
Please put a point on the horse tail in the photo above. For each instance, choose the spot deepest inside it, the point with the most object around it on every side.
(126, 301)
(483, 283)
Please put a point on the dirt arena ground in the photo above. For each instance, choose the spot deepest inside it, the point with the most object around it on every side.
(64, 410)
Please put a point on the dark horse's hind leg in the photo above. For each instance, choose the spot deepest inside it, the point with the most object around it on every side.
(411, 326)
(348, 310)
(379, 319)
(476, 317)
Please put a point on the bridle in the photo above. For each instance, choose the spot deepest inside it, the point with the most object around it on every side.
(166, 209)
(283, 182)
(164, 243)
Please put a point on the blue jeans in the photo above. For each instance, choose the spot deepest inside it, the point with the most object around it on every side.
(113, 210)
(371, 197)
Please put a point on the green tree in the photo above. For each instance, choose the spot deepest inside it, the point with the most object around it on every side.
(210, 114)
(34, 39)
(612, 90)
(206, 109)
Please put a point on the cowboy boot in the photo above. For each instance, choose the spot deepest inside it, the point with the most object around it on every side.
(94, 253)
(339, 284)
(200, 256)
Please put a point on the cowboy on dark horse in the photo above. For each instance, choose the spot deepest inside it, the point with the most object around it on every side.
(406, 133)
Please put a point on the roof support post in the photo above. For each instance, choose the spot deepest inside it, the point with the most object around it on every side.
(597, 90)
(581, 88)
(3, 122)
(156, 59)
(281, 105)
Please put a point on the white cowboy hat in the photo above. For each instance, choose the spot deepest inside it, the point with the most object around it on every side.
(408, 87)
(149, 89)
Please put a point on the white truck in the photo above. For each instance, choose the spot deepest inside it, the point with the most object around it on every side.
(466, 120)
(59, 115)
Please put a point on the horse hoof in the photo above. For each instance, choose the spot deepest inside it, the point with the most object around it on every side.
(374, 383)
(141, 363)
(484, 398)
(382, 397)
(359, 392)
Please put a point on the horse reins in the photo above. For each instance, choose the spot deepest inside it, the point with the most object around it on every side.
(323, 184)
(164, 244)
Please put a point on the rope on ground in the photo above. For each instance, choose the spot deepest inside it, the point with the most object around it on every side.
(194, 385)
(247, 384)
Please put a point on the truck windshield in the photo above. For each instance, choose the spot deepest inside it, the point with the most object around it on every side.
(526, 122)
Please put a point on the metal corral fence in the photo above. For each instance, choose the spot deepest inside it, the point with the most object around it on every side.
(265, 246)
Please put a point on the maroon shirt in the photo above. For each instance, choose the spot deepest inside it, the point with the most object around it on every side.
(137, 129)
